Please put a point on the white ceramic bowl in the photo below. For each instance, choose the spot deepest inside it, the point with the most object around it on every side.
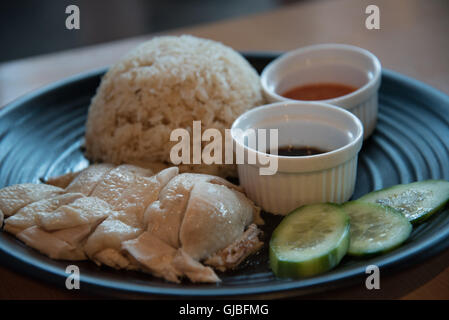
(324, 63)
(326, 177)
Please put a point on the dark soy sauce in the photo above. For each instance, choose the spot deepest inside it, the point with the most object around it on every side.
(295, 151)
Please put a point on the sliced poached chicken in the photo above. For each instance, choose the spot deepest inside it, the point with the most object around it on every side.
(126, 217)
(15, 197)
(129, 190)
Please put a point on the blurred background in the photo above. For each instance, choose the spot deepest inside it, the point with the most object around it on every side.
(32, 27)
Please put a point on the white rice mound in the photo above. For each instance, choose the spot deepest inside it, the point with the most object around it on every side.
(164, 84)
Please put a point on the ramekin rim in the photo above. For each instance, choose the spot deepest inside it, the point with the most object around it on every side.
(350, 149)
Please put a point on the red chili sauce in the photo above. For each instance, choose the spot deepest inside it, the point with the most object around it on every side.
(319, 91)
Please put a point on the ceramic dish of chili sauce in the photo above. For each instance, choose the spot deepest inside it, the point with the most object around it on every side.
(342, 75)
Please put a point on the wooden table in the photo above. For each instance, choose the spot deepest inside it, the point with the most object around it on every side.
(413, 40)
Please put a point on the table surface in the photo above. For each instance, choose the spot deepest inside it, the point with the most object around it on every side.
(412, 40)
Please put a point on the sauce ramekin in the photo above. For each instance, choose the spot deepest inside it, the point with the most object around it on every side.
(326, 63)
(326, 177)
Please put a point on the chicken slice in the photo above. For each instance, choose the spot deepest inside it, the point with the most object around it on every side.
(163, 218)
(139, 171)
(153, 255)
(109, 236)
(231, 256)
(72, 215)
(113, 259)
(64, 180)
(85, 210)
(15, 197)
(75, 236)
(127, 190)
(26, 217)
(51, 245)
(88, 178)
(194, 270)
(131, 194)
(215, 217)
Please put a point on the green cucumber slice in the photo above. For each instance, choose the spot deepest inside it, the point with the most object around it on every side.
(417, 201)
(310, 240)
(375, 228)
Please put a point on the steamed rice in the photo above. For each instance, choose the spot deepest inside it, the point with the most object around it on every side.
(164, 84)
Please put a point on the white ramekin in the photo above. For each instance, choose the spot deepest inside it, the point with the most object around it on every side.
(326, 63)
(326, 177)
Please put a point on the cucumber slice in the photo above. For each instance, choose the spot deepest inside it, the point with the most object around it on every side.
(375, 228)
(417, 200)
(310, 240)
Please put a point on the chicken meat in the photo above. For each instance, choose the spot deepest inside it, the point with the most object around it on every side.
(168, 224)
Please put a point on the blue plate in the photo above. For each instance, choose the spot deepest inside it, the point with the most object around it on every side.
(41, 136)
